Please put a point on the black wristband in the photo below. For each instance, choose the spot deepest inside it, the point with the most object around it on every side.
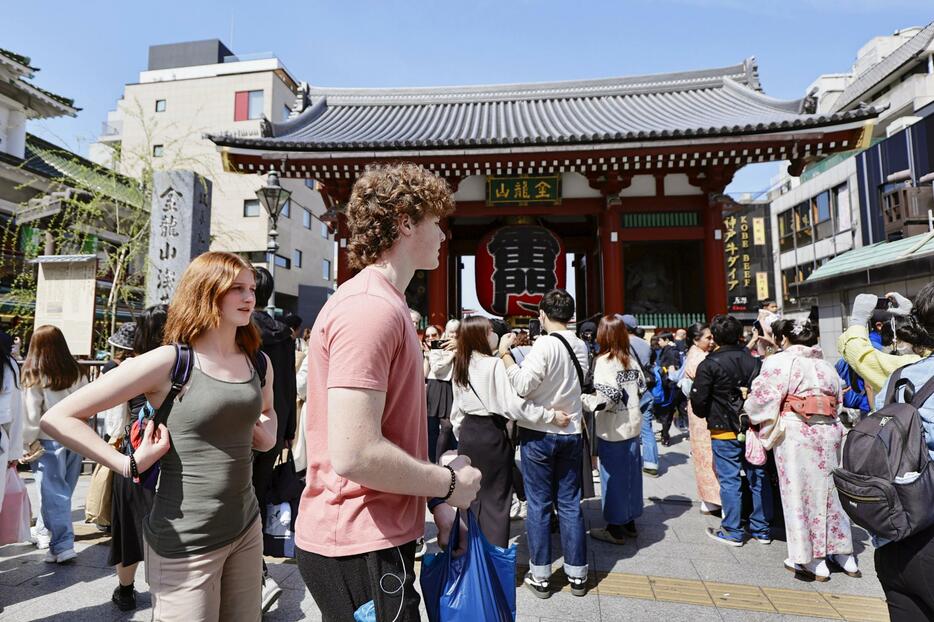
(434, 502)
(134, 469)
(453, 483)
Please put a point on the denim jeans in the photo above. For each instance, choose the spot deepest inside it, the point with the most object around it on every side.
(551, 471)
(729, 456)
(649, 444)
(57, 474)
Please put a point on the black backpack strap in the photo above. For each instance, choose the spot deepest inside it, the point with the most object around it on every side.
(181, 373)
(577, 364)
(894, 381)
(259, 362)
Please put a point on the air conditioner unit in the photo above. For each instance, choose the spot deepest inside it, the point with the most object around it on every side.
(905, 211)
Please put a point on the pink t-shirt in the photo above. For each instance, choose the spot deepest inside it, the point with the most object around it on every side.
(363, 339)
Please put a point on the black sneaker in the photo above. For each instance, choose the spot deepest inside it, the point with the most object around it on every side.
(578, 586)
(539, 588)
(124, 599)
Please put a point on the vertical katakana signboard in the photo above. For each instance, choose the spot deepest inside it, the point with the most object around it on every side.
(747, 256)
(515, 266)
(180, 229)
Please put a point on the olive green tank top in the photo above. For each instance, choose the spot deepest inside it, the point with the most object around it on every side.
(205, 497)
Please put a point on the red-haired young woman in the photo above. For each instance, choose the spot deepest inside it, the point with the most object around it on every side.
(203, 539)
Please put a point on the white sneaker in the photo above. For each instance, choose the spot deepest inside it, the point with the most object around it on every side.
(65, 556)
(518, 510)
(39, 538)
(271, 593)
(514, 508)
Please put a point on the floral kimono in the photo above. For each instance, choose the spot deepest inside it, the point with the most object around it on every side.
(806, 449)
(708, 486)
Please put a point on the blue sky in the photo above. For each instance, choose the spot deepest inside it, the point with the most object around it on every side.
(88, 50)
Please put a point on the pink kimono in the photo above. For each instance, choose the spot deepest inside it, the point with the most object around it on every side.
(708, 486)
(806, 451)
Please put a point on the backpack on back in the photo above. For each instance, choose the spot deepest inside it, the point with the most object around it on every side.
(885, 480)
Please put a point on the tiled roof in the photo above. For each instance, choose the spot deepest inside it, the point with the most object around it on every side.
(17, 58)
(713, 102)
(874, 256)
(870, 78)
(53, 162)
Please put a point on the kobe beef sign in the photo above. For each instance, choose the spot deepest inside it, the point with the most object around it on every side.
(523, 190)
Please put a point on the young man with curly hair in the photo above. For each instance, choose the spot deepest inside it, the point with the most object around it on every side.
(368, 475)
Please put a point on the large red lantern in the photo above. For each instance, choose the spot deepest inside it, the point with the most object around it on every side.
(515, 266)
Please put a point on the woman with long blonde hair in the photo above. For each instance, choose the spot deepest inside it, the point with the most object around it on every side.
(50, 374)
(203, 539)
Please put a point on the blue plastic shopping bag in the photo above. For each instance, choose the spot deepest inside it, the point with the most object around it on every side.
(478, 585)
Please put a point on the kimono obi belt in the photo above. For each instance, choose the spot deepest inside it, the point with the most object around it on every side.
(811, 406)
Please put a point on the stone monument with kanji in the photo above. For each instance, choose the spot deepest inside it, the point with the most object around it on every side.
(180, 229)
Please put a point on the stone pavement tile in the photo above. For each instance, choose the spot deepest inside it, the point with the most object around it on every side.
(524, 618)
(561, 605)
(680, 591)
(859, 608)
(749, 574)
(671, 548)
(798, 602)
(293, 605)
(618, 609)
(841, 584)
(662, 566)
(20, 563)
(738, 596)
(736, 615)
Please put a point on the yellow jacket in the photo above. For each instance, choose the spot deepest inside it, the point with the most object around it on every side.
(873, 366)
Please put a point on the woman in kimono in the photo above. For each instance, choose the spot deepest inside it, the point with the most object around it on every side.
(794, 402)
(708, 486)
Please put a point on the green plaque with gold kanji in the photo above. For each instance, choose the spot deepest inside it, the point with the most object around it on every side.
(523, 190)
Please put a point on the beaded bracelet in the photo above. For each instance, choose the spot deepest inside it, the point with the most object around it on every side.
(134, 470)
(453, 483)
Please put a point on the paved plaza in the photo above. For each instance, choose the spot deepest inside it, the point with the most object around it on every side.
(671, 572)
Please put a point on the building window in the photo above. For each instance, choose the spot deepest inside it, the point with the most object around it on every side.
(306, 219)
(157, 151)
(841, 197)
(803, 232)
(251, 208)
(297, 258)
(160, 105)
(786, 231)
(326, 269)
(286, 209)
(248, 105)
(325, 232)
(283, 262)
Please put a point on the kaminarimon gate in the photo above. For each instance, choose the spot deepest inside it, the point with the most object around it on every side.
(626, 175)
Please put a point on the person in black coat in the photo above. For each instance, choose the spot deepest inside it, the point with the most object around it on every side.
(279, 345)
(717, 395)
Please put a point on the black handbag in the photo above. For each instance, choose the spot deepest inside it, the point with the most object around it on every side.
(285, 486)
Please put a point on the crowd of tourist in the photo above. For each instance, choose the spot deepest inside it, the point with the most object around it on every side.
(508, 423)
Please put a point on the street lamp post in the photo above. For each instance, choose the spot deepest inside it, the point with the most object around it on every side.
(273, 198)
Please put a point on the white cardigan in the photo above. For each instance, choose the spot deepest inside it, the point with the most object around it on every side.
(38, 401)
(496, 396)
(619, 388)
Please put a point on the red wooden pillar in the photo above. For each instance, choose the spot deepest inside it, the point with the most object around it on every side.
(438, 285)
(344, 271)
(611, 253)
(714, 269)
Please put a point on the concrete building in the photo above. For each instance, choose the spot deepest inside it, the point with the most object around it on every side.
(195, 88)
(833, 206)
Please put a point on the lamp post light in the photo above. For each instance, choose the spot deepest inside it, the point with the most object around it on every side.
(273, 198)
